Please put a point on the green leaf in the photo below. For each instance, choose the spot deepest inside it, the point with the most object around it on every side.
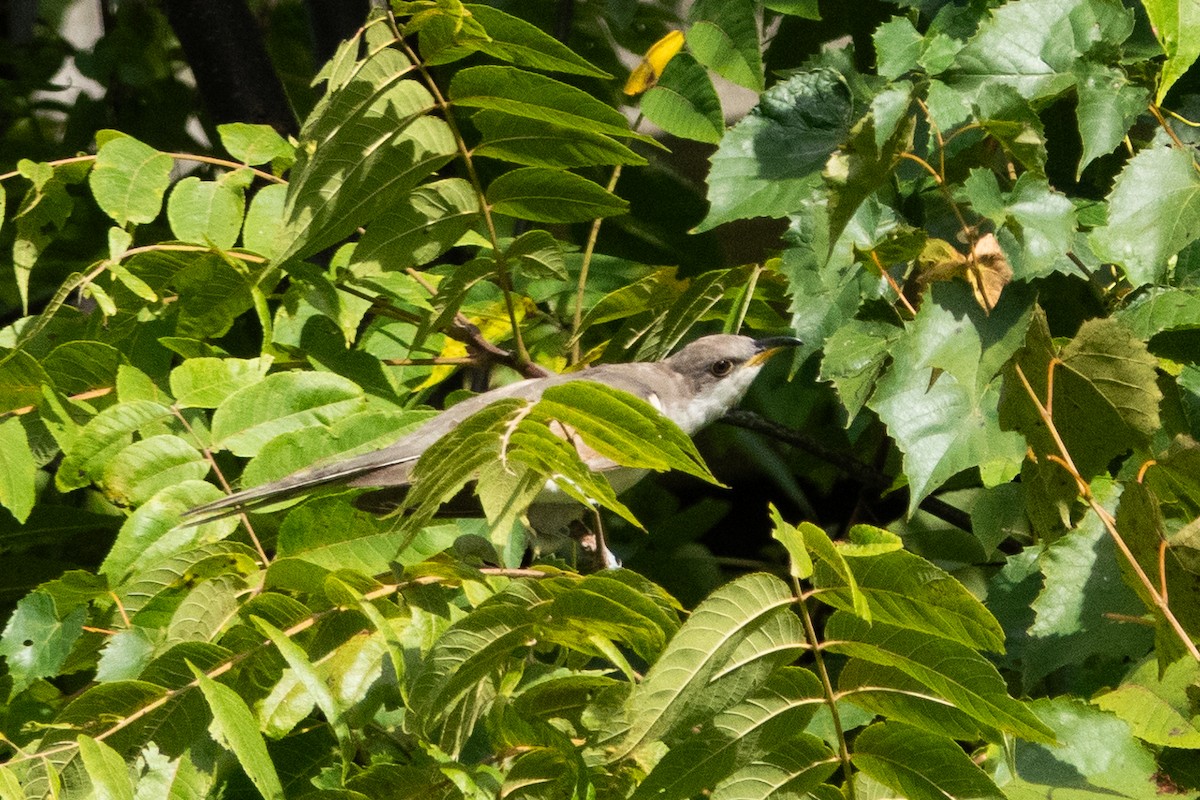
(731, 643)
(233, 726)
(285, 401)
(525, 94)
(1156, 703)
(1172, 22)
(264, 225)
(37, 640)
(684, 102)
(760, 725)
(21, 381)
(129, 180)
(1035, 225)
(470, 652)
(797, 764)
(724, 37)
(889, 692)
(898, 46)
(617, 605)
(1095, 756)
(333, 534)
(514, 40)
(253, 144)
(1110, 378)
(306, 675)
(107, 431)
(1159, 309)
(854, 358)
(366, 145)
(136, 473)
(106, 769)
(548, 195)
(538, 143)
(206, 212)
(206, 382)
(537, 254)
(772, 159)
(906, 590)
(939, 396)
(799, 562)
(918, 764)
(1032, 45)
(1153, 213)
(18, 471)
(418, 228)
(1108, 106)
(621, 427)
(954, 672)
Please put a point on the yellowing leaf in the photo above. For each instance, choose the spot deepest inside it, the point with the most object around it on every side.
(985, 269)
(654, 62)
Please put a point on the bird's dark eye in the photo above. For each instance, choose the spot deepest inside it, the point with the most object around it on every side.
(721, 368)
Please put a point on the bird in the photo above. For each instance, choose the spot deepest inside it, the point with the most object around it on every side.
(693, 388)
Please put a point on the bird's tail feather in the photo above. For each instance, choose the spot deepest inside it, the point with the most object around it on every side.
(293, 485)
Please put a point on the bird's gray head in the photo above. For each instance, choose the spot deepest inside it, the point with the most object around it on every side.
(718, 370)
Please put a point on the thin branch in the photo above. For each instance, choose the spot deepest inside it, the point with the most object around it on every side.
(861, 472)
(1085, 491)
(810, 632)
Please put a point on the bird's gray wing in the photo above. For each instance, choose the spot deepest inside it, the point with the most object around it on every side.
(390, 466)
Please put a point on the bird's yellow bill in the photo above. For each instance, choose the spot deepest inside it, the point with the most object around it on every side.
(653, 63)
(760, 358)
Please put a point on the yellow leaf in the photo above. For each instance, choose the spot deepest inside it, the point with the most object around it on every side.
(654, 62)
(988, 271)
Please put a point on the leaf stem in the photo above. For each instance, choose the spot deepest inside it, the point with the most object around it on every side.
(810, 633)
(1085, 491)
(503, 277)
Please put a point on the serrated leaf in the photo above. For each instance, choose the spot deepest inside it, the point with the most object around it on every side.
(939, 396)
(1156, 705)
(772, 159)
(549, 195)
(538, 143)
(1095, 754)
(281, 402)
(731, 643)
(918, 764)
(1172, 20)
(234, 728)
(1109, 377)
(1035, 225)
(206, 212)
(418, 228)
(36, 641)
(854, 359)
(1108, 105)
(954, 672)
(1153, 213)
(898, 45)
(129, 180)
(21, 381)
(684, 102)
(799, 562)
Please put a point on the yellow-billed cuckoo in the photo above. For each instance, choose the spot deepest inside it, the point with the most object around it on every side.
(692, 388)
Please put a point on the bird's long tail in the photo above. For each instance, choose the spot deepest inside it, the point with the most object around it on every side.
(286, 488)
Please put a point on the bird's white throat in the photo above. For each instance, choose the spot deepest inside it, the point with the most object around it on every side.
(710, 405)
